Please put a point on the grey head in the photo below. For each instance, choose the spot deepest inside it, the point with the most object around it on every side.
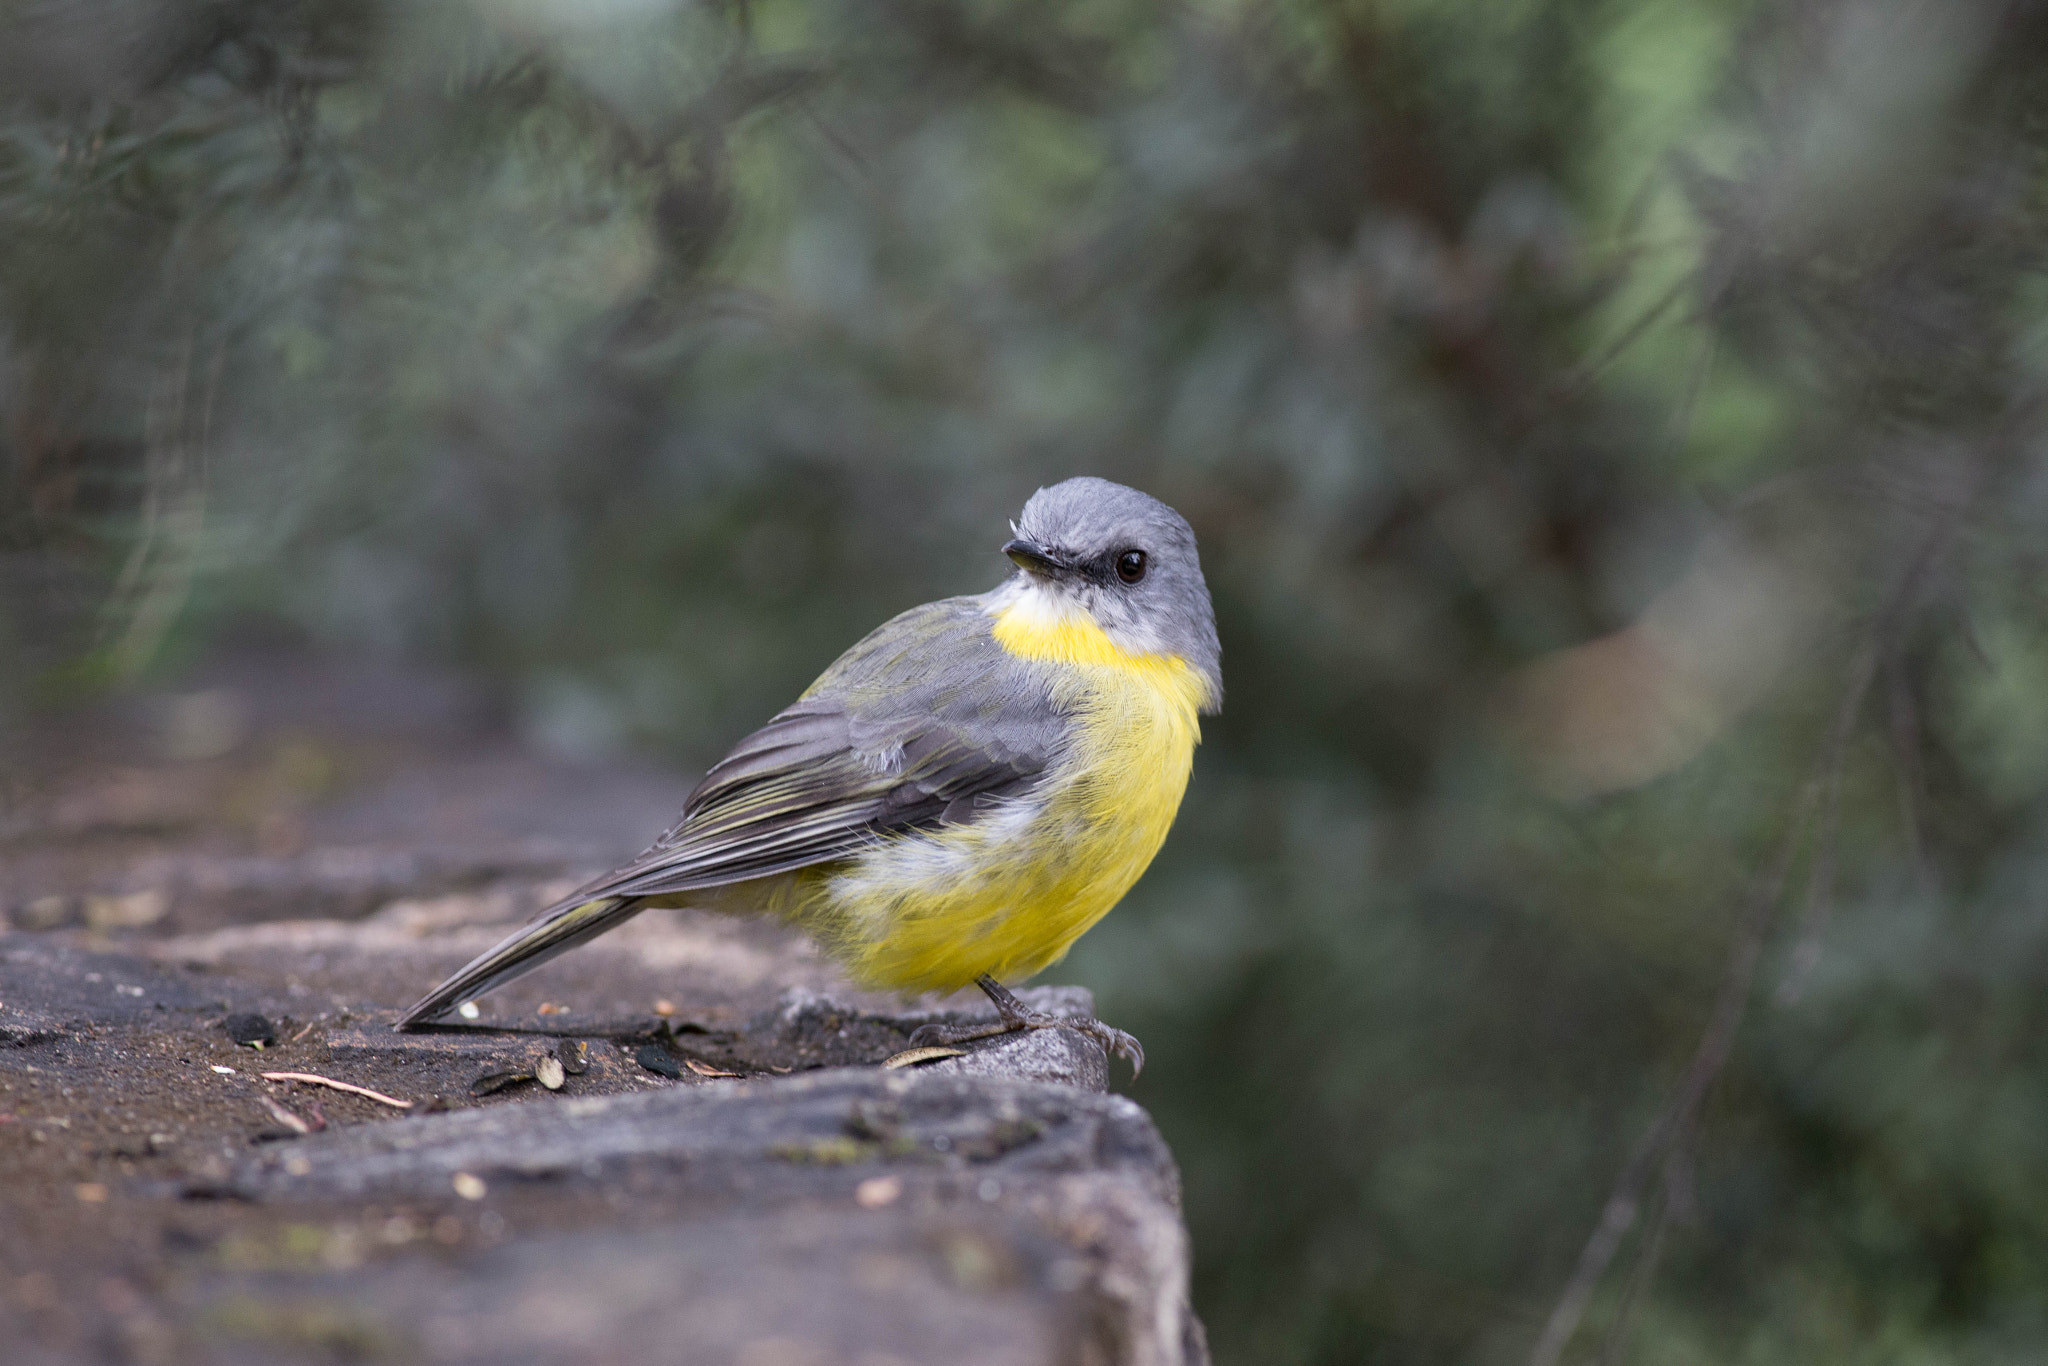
(1126, 559)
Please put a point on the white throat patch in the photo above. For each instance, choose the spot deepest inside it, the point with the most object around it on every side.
(1037, 603)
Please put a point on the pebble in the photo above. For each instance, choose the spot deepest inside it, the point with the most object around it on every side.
(548, 1071)
(655, 1058)
(250, 1029)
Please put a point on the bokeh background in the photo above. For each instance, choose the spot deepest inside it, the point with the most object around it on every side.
(1615, 430)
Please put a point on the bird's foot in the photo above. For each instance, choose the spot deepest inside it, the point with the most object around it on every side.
(1013, 1016)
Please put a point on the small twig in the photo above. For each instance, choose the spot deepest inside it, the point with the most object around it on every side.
(1881, 648)
(285, 1117)
(1696, 385)
(156, 581)
(349, 1087)
(1616, 1218)
(1625, 1201)
(1905, 742)
(852, 166)
(1673, 1125)
(1639, 1277)
(1589, 370)
(1820, 874)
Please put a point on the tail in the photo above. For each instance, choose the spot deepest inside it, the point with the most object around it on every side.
(556, 930)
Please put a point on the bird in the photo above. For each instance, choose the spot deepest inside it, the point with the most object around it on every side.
(964, 792)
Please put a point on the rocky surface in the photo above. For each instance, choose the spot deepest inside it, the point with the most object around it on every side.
(678, 1143)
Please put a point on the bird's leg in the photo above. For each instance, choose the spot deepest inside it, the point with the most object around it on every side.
(1013, 1015)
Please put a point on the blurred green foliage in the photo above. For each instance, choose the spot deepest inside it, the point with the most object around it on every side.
(1615, 434)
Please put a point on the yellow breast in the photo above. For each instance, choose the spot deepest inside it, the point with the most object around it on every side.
(1010, 893)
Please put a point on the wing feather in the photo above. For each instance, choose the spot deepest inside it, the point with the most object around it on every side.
(926, 721)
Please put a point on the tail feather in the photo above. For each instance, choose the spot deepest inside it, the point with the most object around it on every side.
(556, 930)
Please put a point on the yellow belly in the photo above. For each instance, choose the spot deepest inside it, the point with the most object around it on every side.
(1010, 893)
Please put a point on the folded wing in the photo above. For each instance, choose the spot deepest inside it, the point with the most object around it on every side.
(926, 722)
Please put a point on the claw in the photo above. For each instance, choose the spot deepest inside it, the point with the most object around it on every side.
(1114, 1041)
(1127, 1047)
(1013, 1017)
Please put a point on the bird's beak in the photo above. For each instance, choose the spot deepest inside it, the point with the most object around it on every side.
(1034, 558)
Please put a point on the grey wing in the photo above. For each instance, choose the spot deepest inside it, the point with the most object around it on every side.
(927, 721)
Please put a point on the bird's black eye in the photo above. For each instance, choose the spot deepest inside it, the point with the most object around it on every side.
(1130, 566)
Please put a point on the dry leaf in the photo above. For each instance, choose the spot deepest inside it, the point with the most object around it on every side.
(491, 1082)
(705, 1069)
(911, 1057)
